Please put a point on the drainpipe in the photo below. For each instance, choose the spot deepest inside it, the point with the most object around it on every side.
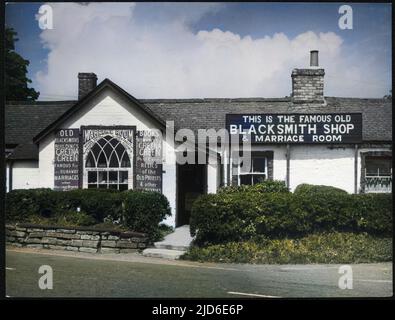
(10, 176)
(288, 155)
(356, 169)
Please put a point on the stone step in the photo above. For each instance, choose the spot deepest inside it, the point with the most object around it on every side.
(163, 253)
(159, 245)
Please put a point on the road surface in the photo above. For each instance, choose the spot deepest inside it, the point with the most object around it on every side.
(133, 276)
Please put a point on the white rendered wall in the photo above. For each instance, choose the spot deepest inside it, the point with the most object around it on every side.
(319, 165)
(313, 164)
(25, 175)
(212, 178)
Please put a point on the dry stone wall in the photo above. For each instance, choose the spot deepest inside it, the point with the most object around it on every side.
(75, 239)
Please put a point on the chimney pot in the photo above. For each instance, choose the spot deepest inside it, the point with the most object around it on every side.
(87, 81)
(314, 58)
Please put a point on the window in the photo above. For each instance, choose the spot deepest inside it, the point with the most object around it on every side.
(257, 172)
(107, 165)
(378, 174)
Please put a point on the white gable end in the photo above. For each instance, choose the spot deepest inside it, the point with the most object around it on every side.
(110, 109)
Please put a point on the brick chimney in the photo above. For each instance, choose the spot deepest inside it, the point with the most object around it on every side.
(308, 84)
(86, 83)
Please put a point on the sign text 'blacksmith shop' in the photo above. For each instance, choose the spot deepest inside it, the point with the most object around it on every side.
(296, 128)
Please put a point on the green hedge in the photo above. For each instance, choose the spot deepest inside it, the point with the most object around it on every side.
(316, 248)
(267, 186)
(310, 189)
(140, 211)
(243, 216)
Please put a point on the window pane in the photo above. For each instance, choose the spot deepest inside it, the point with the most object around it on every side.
(378, 166)
(107, 149)
(92, 176)
(123, 177)
(246, 179)
(114, 163)
(113, 186)
(90, 161)
(125, 162)
(102, 162)
(258, 164)
(258, 178)
(113, 176)
(96, 150)
(103, 186)
(123, 187)
(92, 186)
(102, 176)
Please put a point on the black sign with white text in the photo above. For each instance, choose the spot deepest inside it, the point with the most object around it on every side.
(148, 160)
(296, 128)
(67, 159)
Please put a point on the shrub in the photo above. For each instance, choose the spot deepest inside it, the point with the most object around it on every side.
(224, 217)
(144, 210)
(243, 216)
(22, 203)
(310, 189)
(372, 212)
(96, 203)
(316, 248)
(140, 211)
(73, 218)
(267, 186)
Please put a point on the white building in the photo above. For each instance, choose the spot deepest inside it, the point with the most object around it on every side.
(97, 141)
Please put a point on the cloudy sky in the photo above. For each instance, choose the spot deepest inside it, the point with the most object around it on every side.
(177, 50)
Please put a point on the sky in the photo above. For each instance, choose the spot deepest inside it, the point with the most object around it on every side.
(204, 50)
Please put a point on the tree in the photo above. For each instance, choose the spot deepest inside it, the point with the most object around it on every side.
(16, 81)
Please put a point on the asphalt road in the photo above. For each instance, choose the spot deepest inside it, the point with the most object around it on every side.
(132, 276)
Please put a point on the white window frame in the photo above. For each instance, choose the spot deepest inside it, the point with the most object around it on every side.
(257, 173)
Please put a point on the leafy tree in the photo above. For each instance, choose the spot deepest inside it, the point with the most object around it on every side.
(16, 81)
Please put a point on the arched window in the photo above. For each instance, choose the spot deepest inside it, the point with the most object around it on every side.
(107, 163)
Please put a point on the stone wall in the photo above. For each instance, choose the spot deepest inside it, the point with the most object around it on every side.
(75, 239)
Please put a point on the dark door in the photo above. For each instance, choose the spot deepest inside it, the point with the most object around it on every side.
(191, 183)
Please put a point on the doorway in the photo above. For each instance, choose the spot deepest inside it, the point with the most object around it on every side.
(191, 183)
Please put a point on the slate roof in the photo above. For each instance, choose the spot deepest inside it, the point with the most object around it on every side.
(210, 113)
(25, 120)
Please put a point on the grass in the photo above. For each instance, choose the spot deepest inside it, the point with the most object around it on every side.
(335, 247)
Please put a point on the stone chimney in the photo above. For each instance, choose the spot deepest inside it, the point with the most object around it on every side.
(308, 84)
(86, 83)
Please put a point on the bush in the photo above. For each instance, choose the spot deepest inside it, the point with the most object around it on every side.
(20, 204)
(244, 216)
(267, 186)
(140, 211)
(96, 203)
(316, 248)
(310, 189)
(144, 210)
